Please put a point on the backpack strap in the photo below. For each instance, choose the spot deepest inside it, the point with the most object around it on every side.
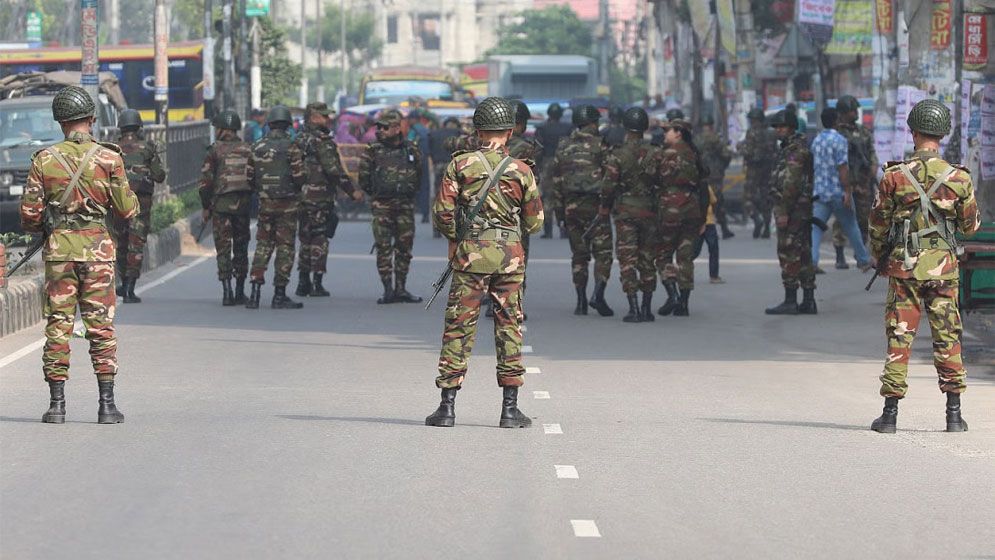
(76, 174)
(934, 221)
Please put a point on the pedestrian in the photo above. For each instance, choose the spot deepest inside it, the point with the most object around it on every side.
(70, 188)
(922, 204)
(549, 133)
(487, 259)
(833, 188)
(144, 168)
(716, 156)
(255, 129)
(226, 195)
(614, 133)
(791, 201)
(390, 173)
(862, 161)
(279, 203)
(631, 197)
(710, 236)
(316, 156)
(577, 172)
(418, 137)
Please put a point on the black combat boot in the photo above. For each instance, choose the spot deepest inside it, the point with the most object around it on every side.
(598, 300)
(303, 284)
(240, 298)
(401, 294)
(129, 291)
(841, 263)
(445, 415)
(765, 234)
(646, 311)
(887, 422)
(758, 226)
(634, 315)
(317, 290)
(227, 298)
(511, 417)
(388, 291)
(581, 308)
(670, 305)
(254, 295)
(108, 412)
(121, 289)
(807, 306)
(954, 421)
(683, 300)
(281, 301)
(57, 405)
(789, 306)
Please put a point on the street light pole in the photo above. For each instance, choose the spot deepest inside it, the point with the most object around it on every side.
(303, 96)
(161, 64)
(89, 45)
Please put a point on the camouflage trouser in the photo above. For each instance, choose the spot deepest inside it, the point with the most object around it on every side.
(90, 287)
(394, 235)
(130, 238)
(756, 197)
(903, 310)
(231, 240)
(862, 200)
(680, 220)
(794, 252)
(462, 313)
(275, 231)
(313, 255)
(578, 214)
(635, 248)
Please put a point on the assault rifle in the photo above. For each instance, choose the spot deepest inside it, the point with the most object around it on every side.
(30, 252)
(200, 233)
(882, 262)
(586, 236)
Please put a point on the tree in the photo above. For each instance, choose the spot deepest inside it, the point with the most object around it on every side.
(360, 37)
(552, 30)
(280, 76)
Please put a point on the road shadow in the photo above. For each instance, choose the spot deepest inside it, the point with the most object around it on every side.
(369, 420)
(38, 421)
(790, 423)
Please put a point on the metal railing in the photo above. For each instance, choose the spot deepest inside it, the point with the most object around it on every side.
(186, 143)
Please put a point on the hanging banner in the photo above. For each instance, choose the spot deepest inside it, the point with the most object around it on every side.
(727, 23)
(853, 27)
(885, 16)
(975, 41)
(940, 27)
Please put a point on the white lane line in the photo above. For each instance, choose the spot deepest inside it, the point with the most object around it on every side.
(532, 369)
(22, 352)
(585, 528)
(552, 429)
(566, 471)
(540, 394)
(527, 349)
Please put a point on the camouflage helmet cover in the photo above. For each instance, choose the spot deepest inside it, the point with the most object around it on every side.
(784, 118)
(390, 117)
(522, 112)
(931, 117)
(279, 113)
(129, 118)
(679, 124)
(494, 113)
(72, 103)
(585, 115)
(228, 120)
(755, 114)
(554, 110)
(674, 114)
(847, 103)
(635, 119)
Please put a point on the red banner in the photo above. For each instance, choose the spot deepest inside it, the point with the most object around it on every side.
(975, 41)
(940, 25)
(885, 15)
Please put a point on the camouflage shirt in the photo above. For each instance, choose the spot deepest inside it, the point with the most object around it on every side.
(897, 200)
(715, 154)
(141, 162)
(673, 169)
(227, 175)
(758, 149)
(862, 159)
(315, 163)
(78, 233)
(578, 167)
(272, 177)
(390, 170)
(791, 182)
(529, 151)
(462, 143)
(626, 188)
(514, 206)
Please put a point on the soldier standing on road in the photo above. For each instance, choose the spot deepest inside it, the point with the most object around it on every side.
(279, 203)
(549, 134)
(631, 198)
(315, 156)
(489, 260)
(716, 155)
(577, 173)
(226, 194)
(862, 163)
(791, 198)
(921, 205)
(441, 155)
(144, 169)
(71, 187)
(390, 172)
(530, 152)
(758, 149)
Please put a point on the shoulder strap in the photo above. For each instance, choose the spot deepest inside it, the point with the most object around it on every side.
(77, 174)
(493, 177)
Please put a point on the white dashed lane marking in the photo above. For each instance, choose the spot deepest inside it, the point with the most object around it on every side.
(541, 394)
(532, 369)
(552, 429)
(585, 528)
(566, 471)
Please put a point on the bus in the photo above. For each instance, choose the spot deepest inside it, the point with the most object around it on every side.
(134, 67)
(393, 85)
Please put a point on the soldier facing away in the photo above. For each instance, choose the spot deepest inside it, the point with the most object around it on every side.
(757, 150)
(144, 168)
(488, 258)
(921, 205)
(226, 194)
(71, 187)
(548, 134)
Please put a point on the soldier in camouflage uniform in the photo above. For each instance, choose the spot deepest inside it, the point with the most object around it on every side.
(488, 259)
(71, 187)
(757, 150)
(716, 156)
(548, 134)
(613, 135)
(390, 173)
(279, 203)
(791, 196)
(226, 194)
(921, 205)
(679, 177)
(577, 172)
(862, 163)
(315, 157)
(144, 169)
(631, 197)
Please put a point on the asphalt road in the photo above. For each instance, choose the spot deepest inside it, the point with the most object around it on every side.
(299, 434)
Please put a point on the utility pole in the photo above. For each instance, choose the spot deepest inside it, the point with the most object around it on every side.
(114, 18)
(605, 40)
(256, 73)
(718, 100)
(229, 70)
(161, 28)
(208, 66)
(320, 94)
(243, 95)
(89, 57)
(303, 96)
(344, 54)
(957, 13)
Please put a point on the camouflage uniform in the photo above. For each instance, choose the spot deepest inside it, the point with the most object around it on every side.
(928, 278)
(226, 191)
(549, 134)
(676, 173)
(791, 198)
(144, 169)
(279, 204)
(758, 150)
(79, 252)
(862, 162)
(491, 261)
(633, 201)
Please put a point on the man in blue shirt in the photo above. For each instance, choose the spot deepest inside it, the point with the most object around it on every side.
(832, 191)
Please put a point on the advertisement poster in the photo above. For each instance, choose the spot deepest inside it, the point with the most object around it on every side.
(815, 17)
(940, 28)
(884, 14)
(853, 28)
(975, 41)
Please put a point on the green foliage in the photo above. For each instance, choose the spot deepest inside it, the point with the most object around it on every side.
(360, 34)
(626, 88)
(280, 76)
(174, 208)
(10, 239)
(552, 30)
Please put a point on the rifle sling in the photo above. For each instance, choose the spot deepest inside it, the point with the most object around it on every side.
(493, 178)
(77, 174)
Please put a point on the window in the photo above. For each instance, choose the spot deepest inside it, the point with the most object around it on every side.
(428, 31)
(391, 29)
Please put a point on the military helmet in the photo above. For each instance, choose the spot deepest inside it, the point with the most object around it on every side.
(128, 119)
(554, 110)
(931, 117)
(585, 115)
(847, 103)
(279, 114)
(635, 119)
(522, 112)
(616, 113)
(228, 120)
(72, 103)
(755, 114)
(784, 118)
(494, 113)
(674, 114)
